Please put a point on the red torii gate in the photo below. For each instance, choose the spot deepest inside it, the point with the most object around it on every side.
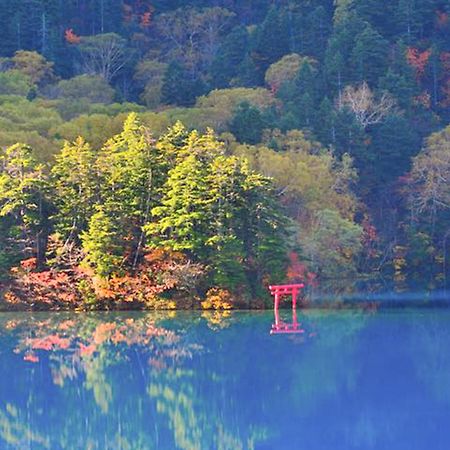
(286, 289)
(279, 326)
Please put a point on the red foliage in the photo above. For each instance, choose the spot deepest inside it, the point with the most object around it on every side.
(49, 289)
(298, 272)
(139, 12)
(71, 37)
(31, 357)
(29, 264)
(146, 19)
(87, 350)
(160, 270)
(418, 60)
(442, 19)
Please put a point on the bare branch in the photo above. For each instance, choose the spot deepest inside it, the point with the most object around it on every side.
(362, 103)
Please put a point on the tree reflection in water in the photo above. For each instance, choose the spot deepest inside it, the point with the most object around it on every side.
(106, 381)
(194, 381)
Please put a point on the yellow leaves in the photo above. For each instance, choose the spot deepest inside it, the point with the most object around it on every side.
(306, 174)
(286, 69)
(218, 299)
(399, 263)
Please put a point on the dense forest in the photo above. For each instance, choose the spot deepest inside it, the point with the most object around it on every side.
(329, 159)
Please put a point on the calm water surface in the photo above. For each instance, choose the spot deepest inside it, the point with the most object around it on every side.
(349, 380)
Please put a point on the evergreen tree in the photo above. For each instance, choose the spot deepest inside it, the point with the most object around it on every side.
(266, 49)
(229, 57)
(394, 144)
(326, 122)
(102, 244)
(369, 56)
(247, 124)
(76, 187)
(23, 200)
(220, 212)
(131, 176)
(180, 87)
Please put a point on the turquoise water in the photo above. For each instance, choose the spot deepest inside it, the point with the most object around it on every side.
(347, 380)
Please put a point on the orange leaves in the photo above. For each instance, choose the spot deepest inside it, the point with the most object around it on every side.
(298, 272)
(31, 357)
(29, 264)
(146, 19)
(161, 270)
(370, 237)
(418, 60)
(87, 350)
(66, 325)
(50, 342)
(47, 287)
(139, 12)
(71, 37)
(103, 332)
(11, 298)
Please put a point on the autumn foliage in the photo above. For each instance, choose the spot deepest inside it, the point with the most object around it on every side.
(161, 271)
(418, 60)
(71, 37)
(298, 272)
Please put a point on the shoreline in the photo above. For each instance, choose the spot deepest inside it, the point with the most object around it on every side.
(362, 305)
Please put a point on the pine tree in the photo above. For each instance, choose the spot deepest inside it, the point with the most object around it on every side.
(247, 124)
(266, 49)
(23, 199)
(180, 87)
(131, 175)
(103, 244)
(76, 188)
(369, 56)
(219, 212)
(229, 57)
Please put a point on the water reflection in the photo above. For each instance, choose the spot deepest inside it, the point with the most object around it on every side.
(284, 327)
(349, 380)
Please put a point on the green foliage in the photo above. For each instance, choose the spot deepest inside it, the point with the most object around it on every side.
(76, 187)
(229, 57)
(333, 245)
(101, 244)
(23, 208)
(94, 89)
(180, 87)
(35, 66)
(221, 213)
(247, 124)
(150, 74)
(14, 82)
(284, 70)
(62, 64)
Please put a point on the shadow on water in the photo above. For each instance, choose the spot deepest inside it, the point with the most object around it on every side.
(351, 379)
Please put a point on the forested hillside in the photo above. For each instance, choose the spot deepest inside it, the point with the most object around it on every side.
(340, 107)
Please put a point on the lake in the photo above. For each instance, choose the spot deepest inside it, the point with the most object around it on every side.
(345, 380)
